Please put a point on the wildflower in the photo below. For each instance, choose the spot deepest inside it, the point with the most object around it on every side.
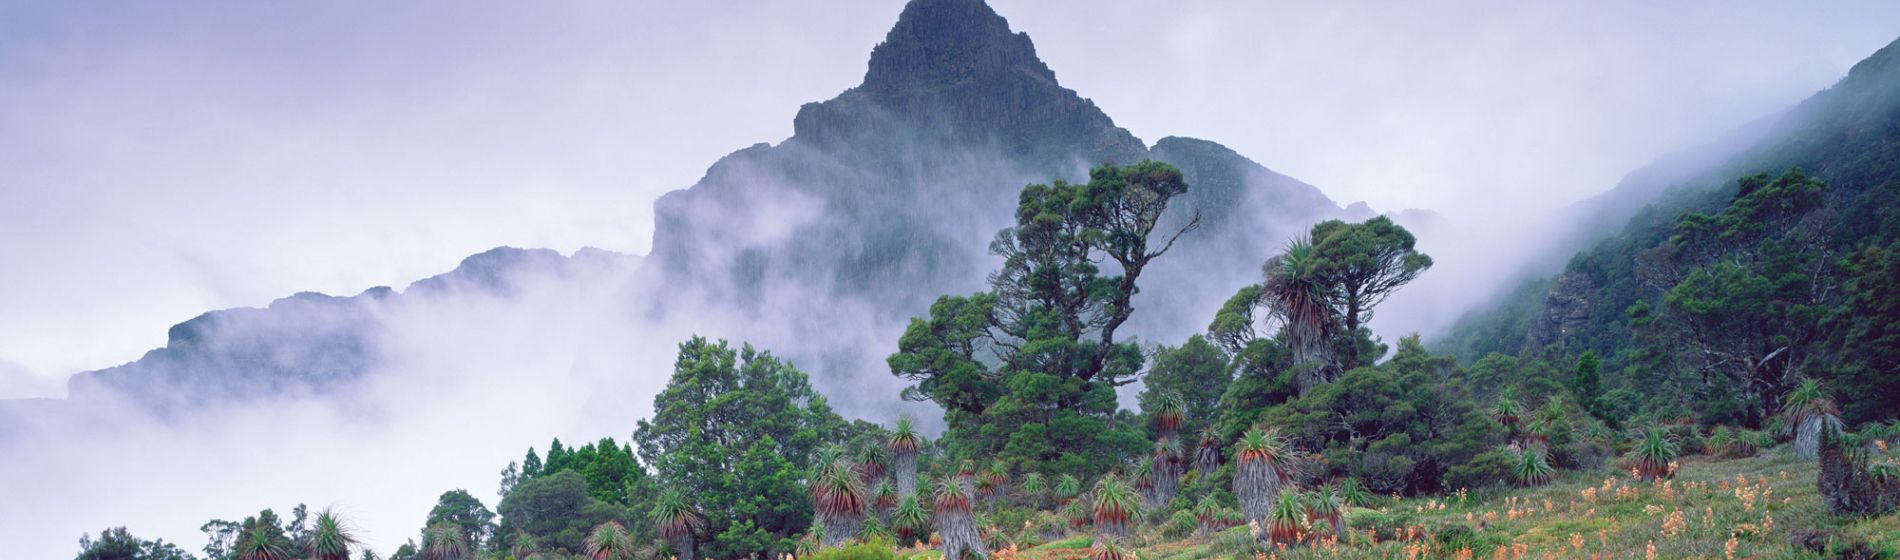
(1673, 525)
(1728, 550)
(1651, 555)
(1576, 541)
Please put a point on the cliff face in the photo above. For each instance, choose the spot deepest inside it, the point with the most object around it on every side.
(887, 194)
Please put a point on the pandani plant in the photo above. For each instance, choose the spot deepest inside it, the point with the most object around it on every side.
(1325, 505)
(909, 523)
(1809, 411)
(1653, 454)
(331, 538)
(1261, 469)
(1286, 523)
(1532, 467)
(1114, 503)
(838, 498)
(956, 523)
(443, 541)
(1207, 452)
(1110, 548)
(677, 522)
(903, 445)
(608, 541)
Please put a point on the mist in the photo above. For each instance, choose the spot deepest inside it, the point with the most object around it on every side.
(158, 161)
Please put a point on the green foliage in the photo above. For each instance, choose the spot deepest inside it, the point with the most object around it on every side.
(458, 508)
(869, 550)
(1047, 401)
(115, 543)
(555, 510)
(1397, 427)
(1192, 376)
(728, 433)
(1654, 453)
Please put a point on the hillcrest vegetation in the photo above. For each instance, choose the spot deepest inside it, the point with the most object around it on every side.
(1287, 430)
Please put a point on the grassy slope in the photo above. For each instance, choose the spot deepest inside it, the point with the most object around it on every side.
(1619, 522)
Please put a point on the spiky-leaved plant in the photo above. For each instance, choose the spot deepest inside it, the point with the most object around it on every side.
(1068, 487)
(1507, 412)
(1532, 467)
(1262, 465)
(1169, 462)
(1653, 454)
(677, 522)
(873, 463)
(263, 542)
(904, 444)
(1295, 293)
(1325, 505)
(1034, 488)
(909, 523)
(1169, 414)
(1142, 475)
(1207, 452)
(883, 499)
(1808, 411)
(1110, 548)
(1207, 515)
(1114, 503)
(1355, 493)
(956, 525)
(1077, 513)
(444, 541)
(1286, 522)
(331, 538)
(608, 541)
(840, 501)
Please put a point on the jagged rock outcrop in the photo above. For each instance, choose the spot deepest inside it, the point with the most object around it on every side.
(1566, 309)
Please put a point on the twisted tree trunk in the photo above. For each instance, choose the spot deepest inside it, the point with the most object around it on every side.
(1258, 488)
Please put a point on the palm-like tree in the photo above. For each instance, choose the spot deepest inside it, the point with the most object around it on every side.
(1355, 493)
(1068, 487)
(677, 522)
(1296, 295)
(908, 521)
(444, 541)
(1809, 410)
(904, 444)
(1507, 412)
(1654, 453)
(1143, 476)
(873, 463)
(1110, 548)
(956, 525)
(1286, 523)
(1207, 515)
(883, 499)
(1169, 460)
(1169, 414)
(1532, 466)
(1077, 513)
(1261, 469)
(838, 497)
(1114, 503)
(1207, 452)
(608, 541)
(997, 478)
(331, 538)
(263, 542)
(1327, 506)
(1034, 486)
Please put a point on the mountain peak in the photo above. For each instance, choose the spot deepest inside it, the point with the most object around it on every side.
(942, 42)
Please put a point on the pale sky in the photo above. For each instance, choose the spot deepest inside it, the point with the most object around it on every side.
(161, 159)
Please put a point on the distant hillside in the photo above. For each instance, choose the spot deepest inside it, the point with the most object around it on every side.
(1847, 136)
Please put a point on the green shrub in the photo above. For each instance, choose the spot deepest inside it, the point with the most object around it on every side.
(877, 549)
